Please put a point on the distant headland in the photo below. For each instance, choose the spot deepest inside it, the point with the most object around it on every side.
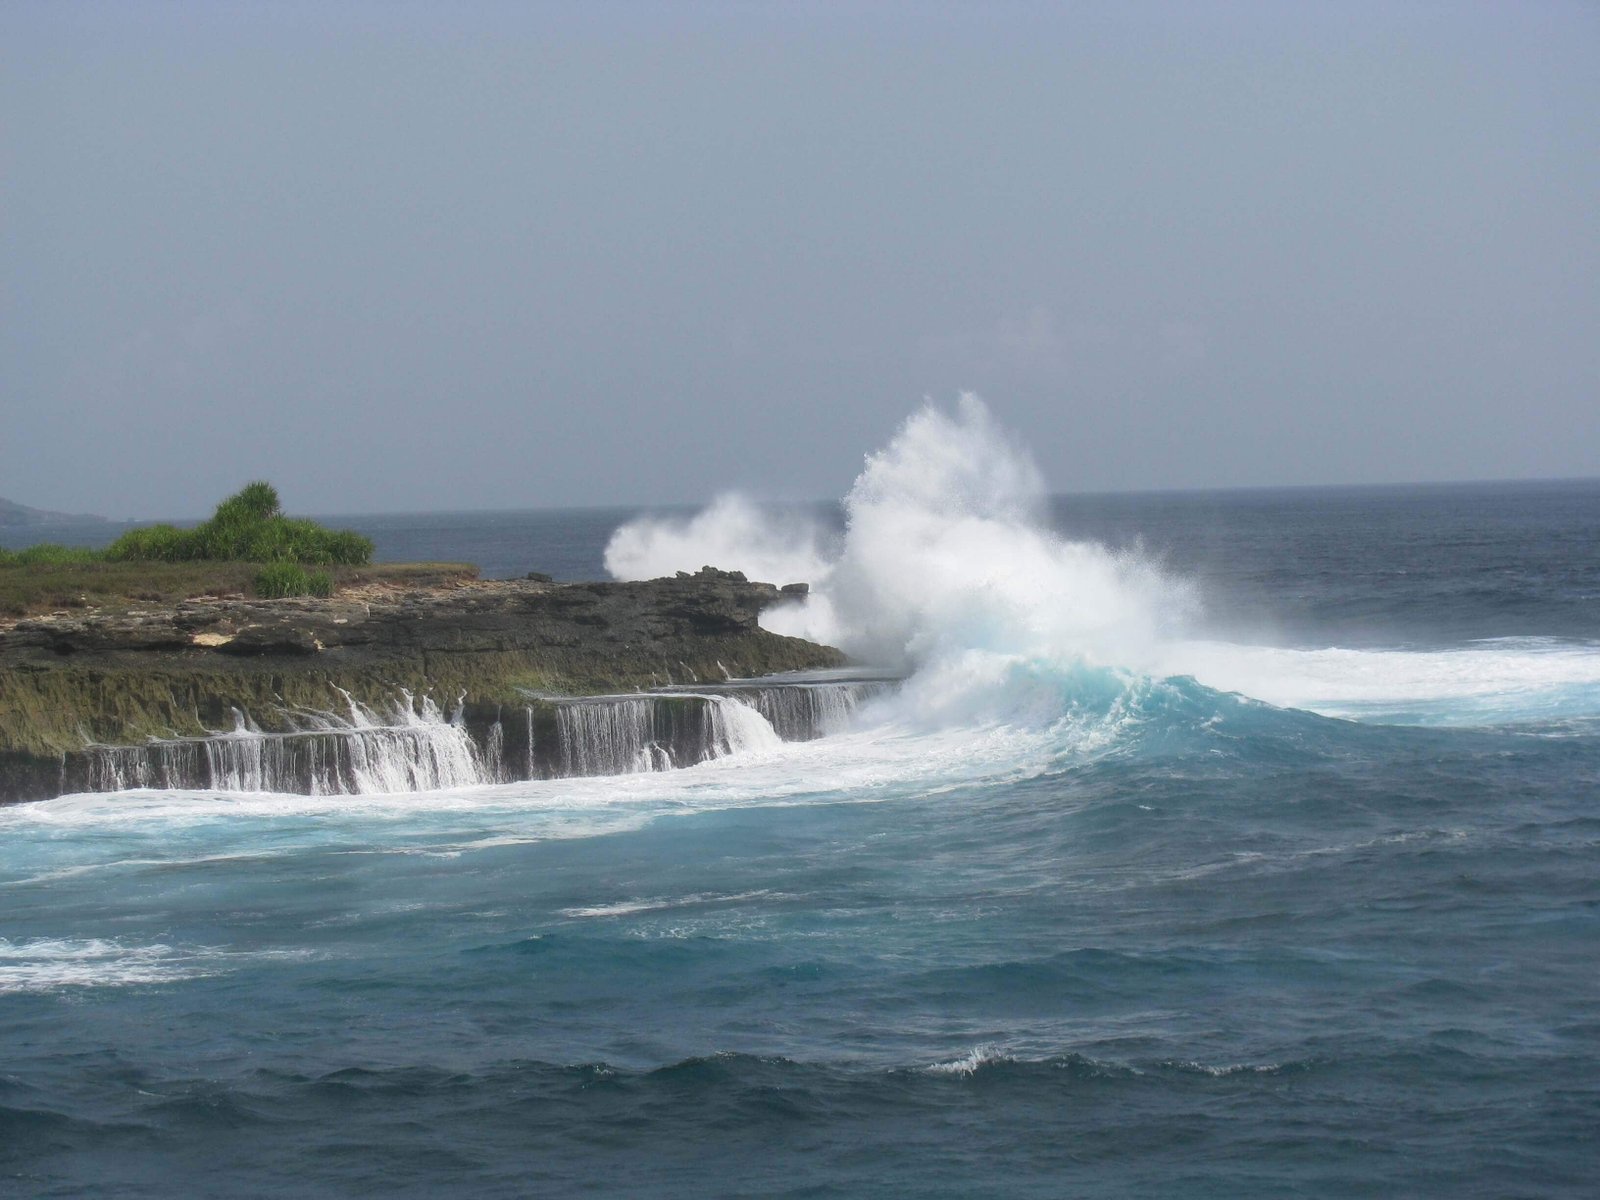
(12, 514)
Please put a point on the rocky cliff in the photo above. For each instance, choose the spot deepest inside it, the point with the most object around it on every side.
(119, 678)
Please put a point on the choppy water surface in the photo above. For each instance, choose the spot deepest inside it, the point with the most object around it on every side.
(1296, 913)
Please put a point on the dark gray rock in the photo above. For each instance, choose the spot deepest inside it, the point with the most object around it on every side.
(118, 678)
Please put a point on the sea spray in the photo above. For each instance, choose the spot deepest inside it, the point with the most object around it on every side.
(947, 572)
(764, 544)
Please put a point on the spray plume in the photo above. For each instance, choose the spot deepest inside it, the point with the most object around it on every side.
(946, 569)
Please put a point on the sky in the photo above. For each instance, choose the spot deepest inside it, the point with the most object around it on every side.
(401, 257)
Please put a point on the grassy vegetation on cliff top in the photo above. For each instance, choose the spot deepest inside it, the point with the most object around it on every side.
(248, 526)
(246, 530)
(247, 547)
(49, 587)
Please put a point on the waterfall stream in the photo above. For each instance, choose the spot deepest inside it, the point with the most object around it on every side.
(414, 745)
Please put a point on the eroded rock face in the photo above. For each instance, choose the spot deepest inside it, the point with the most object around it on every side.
(118, 678)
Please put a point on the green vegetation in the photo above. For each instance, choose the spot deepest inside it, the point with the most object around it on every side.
(46, 587)
(247, 527)
(42, 588)
(291, 579)
(48, 554)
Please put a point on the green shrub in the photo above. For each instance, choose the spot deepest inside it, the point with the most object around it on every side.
(246, 527)
(282, 579)
(257, 501)
(48, 553)
(153, 543)
(288, 539)
(347, 547)
(265, 541)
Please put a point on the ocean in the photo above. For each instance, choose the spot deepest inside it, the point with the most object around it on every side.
(1238, 843)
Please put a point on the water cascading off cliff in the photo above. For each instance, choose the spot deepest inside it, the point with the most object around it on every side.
(416, 746)
(411, 747)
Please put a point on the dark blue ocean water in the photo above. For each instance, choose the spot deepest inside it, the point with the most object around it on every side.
(1320, 917)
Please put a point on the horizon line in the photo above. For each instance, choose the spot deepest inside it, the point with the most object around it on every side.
(665, 505)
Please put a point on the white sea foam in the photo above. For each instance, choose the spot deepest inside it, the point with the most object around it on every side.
(1490, 681)
(1223, 1072)
(948, 571)
(969, 1063)
(53, 964)
(1023, 650)
(48, 964)
(883, 763)
(632, 908)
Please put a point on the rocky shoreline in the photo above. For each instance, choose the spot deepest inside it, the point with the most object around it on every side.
(73, 680)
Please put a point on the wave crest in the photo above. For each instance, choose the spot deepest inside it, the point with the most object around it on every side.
(946, 572)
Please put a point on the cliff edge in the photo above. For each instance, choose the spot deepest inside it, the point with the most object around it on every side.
(69, 680)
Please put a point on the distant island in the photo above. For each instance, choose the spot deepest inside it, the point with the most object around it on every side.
(12, 513)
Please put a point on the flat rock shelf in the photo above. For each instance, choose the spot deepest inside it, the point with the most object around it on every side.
(477, 682)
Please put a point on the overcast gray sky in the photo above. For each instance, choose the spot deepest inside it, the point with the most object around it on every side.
(396, 256)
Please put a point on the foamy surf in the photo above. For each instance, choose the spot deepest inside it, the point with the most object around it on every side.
(1491, 682)
(1067, 865)
(55, 964)
(948, 572)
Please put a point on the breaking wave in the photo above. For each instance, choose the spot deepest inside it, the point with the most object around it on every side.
(948, 572)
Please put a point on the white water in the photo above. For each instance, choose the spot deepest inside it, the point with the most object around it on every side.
(1025, 649)
(732, 529)
(801, 711)
(945, 552)
(630, 736)
(737, 728)
(1487, 682)
(948, 570)
(44, 964)
(411, 747)
(49, 964)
